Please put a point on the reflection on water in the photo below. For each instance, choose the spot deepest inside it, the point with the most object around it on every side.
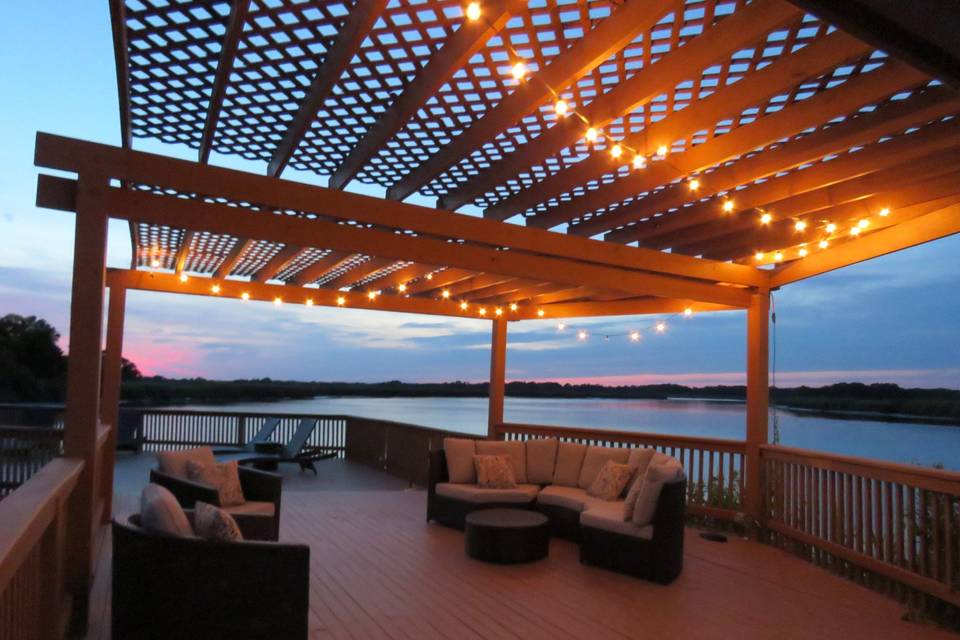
(899, 442)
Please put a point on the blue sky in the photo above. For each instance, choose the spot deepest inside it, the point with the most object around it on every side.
(894, 318)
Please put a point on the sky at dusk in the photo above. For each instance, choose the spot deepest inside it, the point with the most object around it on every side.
(896, 318)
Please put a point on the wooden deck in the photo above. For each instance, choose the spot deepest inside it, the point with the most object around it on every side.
(380, 571)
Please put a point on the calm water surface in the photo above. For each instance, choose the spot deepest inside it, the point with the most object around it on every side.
(899, 442)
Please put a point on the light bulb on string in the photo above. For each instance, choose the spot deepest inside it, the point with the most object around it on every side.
(463, 306)
(831, 227)
(758, 255)
(883, 213)
(639, 162)
(155, 263)
(402, 288)
(513, 306)
(693, 184)
(581, 335)
(634, 336)
(616, 151)
(183, 277)
(518, 71)
(863, 224)
(591, 135)
(445, 293)
(473, 11)
(855, 231)
(766, 218)
(561, 326)
(309, 302)
(341, 301)
(244, 296)
(803, 252)
(728, 206)
(778, 256)
(482, 311)
(800, 225)
(540, 313)
(688, 312)
(278, 301)
(661, 327)
(371, 295)
(823, 244)
(498, 311)
(561, 107)
(662, 151)
(215, 288)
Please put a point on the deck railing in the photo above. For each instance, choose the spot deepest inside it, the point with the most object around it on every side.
(891, 526)
(23, 451)
(714, 467)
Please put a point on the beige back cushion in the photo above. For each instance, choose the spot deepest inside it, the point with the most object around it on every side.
(541, 460)
(224, 477)
(161, 513)
(460, 452)
(514, 449)
(594, 460)
(657, 475)
(174, 463)
(569, 460)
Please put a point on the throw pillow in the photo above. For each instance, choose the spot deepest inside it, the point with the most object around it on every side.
(174, 463)
(594, 460)
(569, 460)
(639, 461)
(610, 481)
(225, 478)
(513, 449)
(494, 472)
(161, 513)
(459, 453)
(213, 523)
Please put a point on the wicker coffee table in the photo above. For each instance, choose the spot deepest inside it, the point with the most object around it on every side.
(507, 536)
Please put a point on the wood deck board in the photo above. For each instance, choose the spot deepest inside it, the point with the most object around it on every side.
(378, 570)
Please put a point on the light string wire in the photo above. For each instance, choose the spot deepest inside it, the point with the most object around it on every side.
(635, 335)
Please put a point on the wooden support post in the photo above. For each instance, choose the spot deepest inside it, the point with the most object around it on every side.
(83, 387)
(758, 397)
(498, 372)
(111, 382)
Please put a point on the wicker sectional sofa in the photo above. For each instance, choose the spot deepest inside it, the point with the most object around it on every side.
(553, 477)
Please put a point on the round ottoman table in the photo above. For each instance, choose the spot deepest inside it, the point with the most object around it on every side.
(507, 536)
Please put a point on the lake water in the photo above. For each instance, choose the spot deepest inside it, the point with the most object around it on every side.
(909, 443)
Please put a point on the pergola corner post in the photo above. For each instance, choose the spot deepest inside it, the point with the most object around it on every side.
(111, 378)
(498, 373)
(83, 388)
(758, 401)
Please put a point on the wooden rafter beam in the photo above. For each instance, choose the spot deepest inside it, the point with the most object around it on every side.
(232, 258)
(326, 264)
(923, 34)
(606, 39)
(401, 276)
(277, 263)
(853, 132)
(433, 281)
(729, 101)
(497, 290)
(482, 281)
(743, 28)
(523, 295)
(121, 57)
(67, 154)
(640, 306)
(228, 53)
(352, 32)
(222, 219)
(902, 236)
(458, 48)
(363, 270)
(180, 261)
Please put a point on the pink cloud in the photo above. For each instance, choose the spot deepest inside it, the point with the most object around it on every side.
(166, 360)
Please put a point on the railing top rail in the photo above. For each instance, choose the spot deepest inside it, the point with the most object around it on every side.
(246, 414)
(718, 444)
(418, 427)
(922, 477)
(25, 513)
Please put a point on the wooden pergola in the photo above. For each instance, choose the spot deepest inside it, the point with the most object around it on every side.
(739, 148)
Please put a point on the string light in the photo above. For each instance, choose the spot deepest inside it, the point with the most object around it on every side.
(561, 326)
(463, 306)
(662, 151)
(277, 301)
(473, 11)
(540, 313)
(855, 231)
(728, 206)
(309, 302)
(883, 213)
(429, 276)
(863, 224)
(215, 288)
(518, 71)
(778, 256)
(341, 301)
(694, 184)
(634, 336)
(800, 225)
(581, 335)
(803, 252)
(616, 151)
(758, 255)
(155, 263)
(661, 327)
(766, 218)
(513, 306)
(482, 311)
(498, 311)
(688, 312)
(823, 244)
(445, 293)
(402, 288)
(831, 228)
(591, 135)
(183, 277)
(371, 295)
(639, 162)
(245, 296)
(561, 108)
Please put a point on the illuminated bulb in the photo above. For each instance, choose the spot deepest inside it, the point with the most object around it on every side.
(518, 71)
(463, 306)
(155, 263)
(831, 228)
(309, 302)
(855, 231)
(803, 253)
(863, 224)
(758, 255)
(662, 151)
(661, 327)
(639, 162)
(498, 311)
(766, 218)
(445, 293)
(561, 326)
(402, 288)
(634, 336)
(482, 311)
(561, 108)
(183, 277)
(591, 135)
(823, 244)
(371, 295)
(800, 225)
(429, 276)
(215, 288)
(473, 11)
(777, 257)
(884, 212)
(245, 295)
(581, 335)
(728, 206)
(277, 301)
(688, 312)
(694, 184)
(341, 301)
(616, 151)
(513, 306)
(540, 313)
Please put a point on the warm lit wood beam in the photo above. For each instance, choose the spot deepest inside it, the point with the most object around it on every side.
(401, 276)
(866, 128)
(885, 158)
(232, 258)
(743, 28)
(459, 47)
(217, 218)
(606, 39)
(640, 306)
(902, 236)
(347, 43)
(68, 154)
(324, 265)
(497, 290)
(522, 295)
(121, 58)
(430, 282)
(923, 34)
(228, 53)
(728, 101)
(180, 261)
(277, 263)
(363, 270)
(481, 281)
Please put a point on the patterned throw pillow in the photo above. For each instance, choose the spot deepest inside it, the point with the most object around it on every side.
(212, 523)
(494, 472)
(611, 480)
(224, 477)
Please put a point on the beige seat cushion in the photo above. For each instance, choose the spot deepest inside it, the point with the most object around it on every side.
(569, 460)
(594, 460)
(161, 513)
(573, 498)
(252, 508)
(224, 477)
(174, 463)
(213, 523)
(459, 453)
(608, 516)
(541, 460)
(520, 494)
(512, 448)
(494, 472)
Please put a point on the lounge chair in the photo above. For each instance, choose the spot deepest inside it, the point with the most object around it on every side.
(296, 450)
(262, 436)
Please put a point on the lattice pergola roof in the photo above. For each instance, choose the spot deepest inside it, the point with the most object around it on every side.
(785, 135)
